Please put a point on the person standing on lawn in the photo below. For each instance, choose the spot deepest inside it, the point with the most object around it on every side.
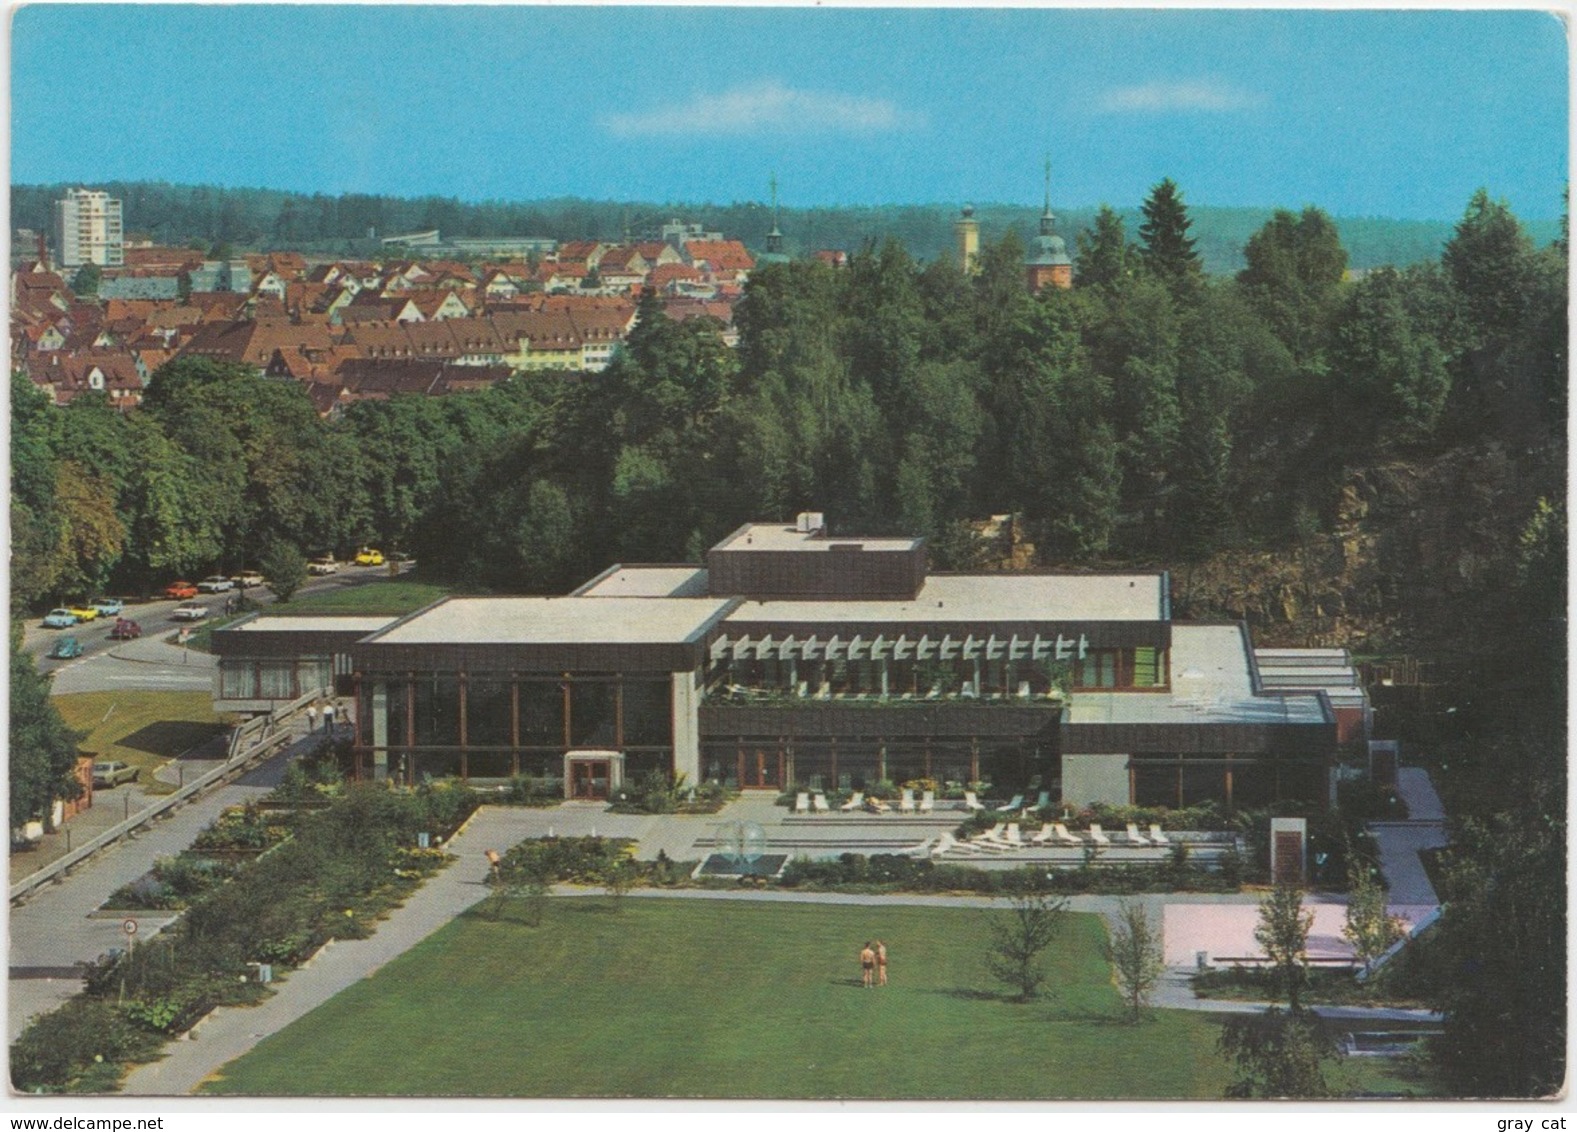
(881, 964)
(328, 718)
(312, 717)
(867, 964)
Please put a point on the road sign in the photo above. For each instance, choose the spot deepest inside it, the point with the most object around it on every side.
(129, 927)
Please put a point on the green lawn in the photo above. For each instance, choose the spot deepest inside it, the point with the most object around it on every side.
(387, 596)
(723, 999)
(142, 728)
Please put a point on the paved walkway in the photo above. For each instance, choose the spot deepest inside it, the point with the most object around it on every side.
(55, 927)
(1400, 842)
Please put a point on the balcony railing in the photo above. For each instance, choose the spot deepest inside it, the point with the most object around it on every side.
(745, 696)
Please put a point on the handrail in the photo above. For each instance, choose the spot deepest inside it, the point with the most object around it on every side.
(235, 761)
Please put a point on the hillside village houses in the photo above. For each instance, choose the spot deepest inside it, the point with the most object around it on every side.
(352, 330)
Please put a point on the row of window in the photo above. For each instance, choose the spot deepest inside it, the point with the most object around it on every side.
(498, 711)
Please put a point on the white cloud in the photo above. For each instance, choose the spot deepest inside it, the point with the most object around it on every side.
(1166, 97)
(765, 106)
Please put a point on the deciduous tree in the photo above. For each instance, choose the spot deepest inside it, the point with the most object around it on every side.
(1283, 931)
(1134, 951)
(1019, 936)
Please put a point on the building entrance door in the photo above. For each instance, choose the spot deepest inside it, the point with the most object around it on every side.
(589, 780)
(760, 769)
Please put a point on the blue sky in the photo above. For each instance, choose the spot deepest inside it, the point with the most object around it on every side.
(1362, 113)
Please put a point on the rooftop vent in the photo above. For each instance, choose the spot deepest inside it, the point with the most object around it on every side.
(809, 522)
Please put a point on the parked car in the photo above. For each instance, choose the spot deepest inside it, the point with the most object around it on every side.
(108, 606)
(83, 612)
(215, 584)
(66, 648)
(367, 556)
(189, 611)
(125, 630)
(108, 775)
(180, 591)
(324, 565)
(60, 619)
(246, 579)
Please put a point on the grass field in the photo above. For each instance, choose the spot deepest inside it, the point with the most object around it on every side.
(721, 999)
(389, 596)
(143, 729)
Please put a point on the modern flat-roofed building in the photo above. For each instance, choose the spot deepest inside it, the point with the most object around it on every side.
(798, 657)
(88, 229)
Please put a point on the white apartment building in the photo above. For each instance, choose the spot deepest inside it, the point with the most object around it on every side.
(88, 230)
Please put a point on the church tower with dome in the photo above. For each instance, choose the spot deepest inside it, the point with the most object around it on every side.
(1048, 264)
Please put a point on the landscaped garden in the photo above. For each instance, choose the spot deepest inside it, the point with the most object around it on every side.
(675, 997)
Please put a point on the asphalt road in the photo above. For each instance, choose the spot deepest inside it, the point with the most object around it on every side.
(126, 665)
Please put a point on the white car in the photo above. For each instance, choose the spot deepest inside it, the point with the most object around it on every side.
(215, 584)
(247, 579)
(324, 565)
(189, 611)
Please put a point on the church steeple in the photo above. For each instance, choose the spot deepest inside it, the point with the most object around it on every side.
(1049, 265)
(774, 252)
(775, 237)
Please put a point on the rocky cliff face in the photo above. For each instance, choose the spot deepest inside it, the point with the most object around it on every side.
(1411, 560)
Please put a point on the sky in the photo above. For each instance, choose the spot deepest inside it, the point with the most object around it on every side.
(1400, 113)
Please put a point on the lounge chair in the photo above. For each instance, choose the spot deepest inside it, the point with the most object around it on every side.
(947, 843)
(906, 801)
(972, 803)
(802, 803)
(1157, 837)
(1060, 834)
(921, 850)
(1012, 837)
(928, 801)
(1044, 800)
(993, 840)
(1016, 804)
(818, 803)
(1046, 834)
(877, 806)
(1098, 837)
(856, 800)
(1135, 837)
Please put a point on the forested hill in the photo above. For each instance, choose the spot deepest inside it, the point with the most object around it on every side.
(268, 219)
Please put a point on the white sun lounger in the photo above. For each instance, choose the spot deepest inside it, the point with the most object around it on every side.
(972, 803)
(1098, 837)
(928, 801)
(1061, 836)
(1135, 837)
(906, 801)
(1157, 837)
(1016, 804)
(818, 803)
(1047, 832)
(1012, 837)
(856, 800)
(947, 843)
(921, 850)
(802, 803)
(877, 806)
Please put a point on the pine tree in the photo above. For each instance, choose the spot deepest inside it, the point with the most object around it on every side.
(1103, 255)
(1165, 247)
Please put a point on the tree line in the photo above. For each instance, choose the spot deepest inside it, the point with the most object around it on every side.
(214, 217)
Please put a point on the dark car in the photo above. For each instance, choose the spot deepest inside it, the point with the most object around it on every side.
(125, 630)
(67, 648)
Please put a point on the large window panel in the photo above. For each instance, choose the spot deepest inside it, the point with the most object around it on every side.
(542, 714)
(277, 680)
(591, 712)
(648, 713)
(487, 712)
(237, 679)
(437, 710)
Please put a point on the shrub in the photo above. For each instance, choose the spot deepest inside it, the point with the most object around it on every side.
(578, 860)
(60, 1048)
(524, 790)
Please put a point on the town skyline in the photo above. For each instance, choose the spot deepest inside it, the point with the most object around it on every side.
(1395, 114)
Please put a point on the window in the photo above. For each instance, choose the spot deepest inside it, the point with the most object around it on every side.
(591, 714)
(1099, 669)
(1149, 668)
(487, 712)
(542, 714)
(237, 679)
(648, 715)
(437, 711)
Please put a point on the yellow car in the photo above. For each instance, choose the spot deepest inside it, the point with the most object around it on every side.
(367, 556)
(83, 612)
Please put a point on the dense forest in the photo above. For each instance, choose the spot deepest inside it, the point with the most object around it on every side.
(272, 220)
(1155, 414)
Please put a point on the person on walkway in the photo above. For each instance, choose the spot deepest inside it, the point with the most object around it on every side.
(312, 717)
(881, 964)
(867, 964)
(328, 718)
